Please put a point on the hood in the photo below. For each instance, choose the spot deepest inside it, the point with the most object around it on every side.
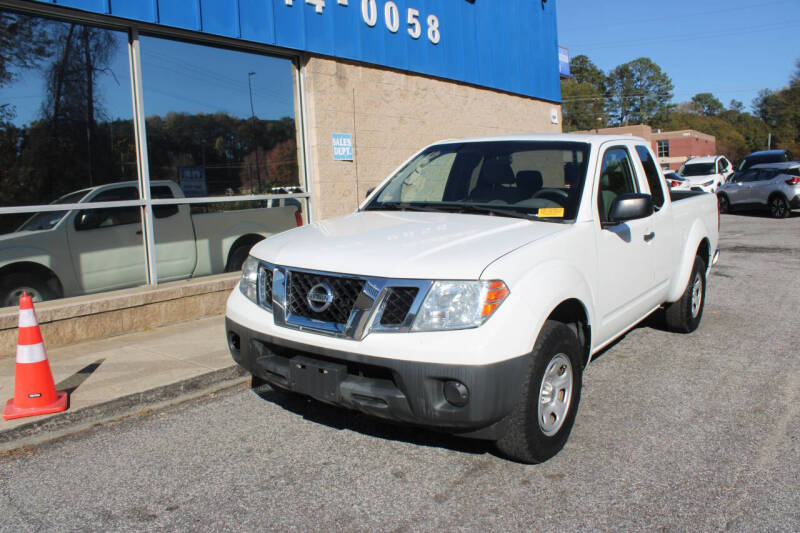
(699, 180)
(400, 244)
(23, 236)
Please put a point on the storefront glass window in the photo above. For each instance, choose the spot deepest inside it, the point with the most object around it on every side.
(65, 109)
(219, 122)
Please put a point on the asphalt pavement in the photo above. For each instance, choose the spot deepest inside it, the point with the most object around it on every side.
(674, 432)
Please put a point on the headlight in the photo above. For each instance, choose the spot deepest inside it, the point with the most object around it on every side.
(459, 304)
(708, 183)
(249, 282)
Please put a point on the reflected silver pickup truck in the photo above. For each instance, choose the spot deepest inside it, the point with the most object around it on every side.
(66, 253)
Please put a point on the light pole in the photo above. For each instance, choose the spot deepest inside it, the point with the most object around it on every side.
(253, 119)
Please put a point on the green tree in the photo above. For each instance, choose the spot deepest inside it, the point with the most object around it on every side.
(583, 96)
(583, 106)
(23, 45)
(640, 93)
(583, 70)
(707, 104)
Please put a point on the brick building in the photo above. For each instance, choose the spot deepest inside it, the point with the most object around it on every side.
(673, 148)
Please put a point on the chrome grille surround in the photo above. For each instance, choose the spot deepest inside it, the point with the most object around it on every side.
(366, 308)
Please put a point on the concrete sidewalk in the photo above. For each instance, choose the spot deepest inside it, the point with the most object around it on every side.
(111, 378)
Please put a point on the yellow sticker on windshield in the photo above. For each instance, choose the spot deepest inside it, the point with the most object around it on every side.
(551, 212)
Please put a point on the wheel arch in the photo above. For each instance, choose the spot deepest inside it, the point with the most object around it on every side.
(249, 239)
(573, 314)
(775, 194)
(32, 268)
(697, 242)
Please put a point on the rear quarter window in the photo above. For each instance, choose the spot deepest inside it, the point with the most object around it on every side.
(651, 171)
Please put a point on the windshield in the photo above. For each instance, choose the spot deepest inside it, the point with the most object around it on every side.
(48, 219)
(526, 179)
(697, 169)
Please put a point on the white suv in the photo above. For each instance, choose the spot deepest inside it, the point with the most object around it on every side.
(706, 173)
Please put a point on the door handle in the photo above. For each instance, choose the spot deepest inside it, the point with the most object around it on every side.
(649, 236)
(138, 232)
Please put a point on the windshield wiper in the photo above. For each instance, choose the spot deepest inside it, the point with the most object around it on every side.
(399, 206)
(486, 209)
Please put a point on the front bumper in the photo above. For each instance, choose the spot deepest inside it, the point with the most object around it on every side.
(402, 391)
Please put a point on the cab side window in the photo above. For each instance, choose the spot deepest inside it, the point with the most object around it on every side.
(750, 175)
(163, 211)
(616, 177)
(651, 171)
(112, 216)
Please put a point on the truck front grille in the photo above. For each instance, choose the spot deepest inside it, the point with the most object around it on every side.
(344, 290)
(398, 304)
(265, 285)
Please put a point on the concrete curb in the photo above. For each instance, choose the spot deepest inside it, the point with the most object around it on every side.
(41, 430)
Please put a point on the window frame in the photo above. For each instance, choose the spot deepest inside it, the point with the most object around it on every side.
(633, 177)
(662, 148)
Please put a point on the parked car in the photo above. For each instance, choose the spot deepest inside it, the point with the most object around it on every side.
(775, 186)
(471, 288)
(707, 173)
(676, 181)
(67, 253)
(765, 156)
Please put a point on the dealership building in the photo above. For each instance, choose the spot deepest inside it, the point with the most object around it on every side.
(190, 108)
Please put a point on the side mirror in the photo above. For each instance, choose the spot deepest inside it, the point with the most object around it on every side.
(369, 191)
(630, 206)
(88, 220)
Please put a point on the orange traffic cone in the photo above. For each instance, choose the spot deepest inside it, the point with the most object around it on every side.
(34, 390)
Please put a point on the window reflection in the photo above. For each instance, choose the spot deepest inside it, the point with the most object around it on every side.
(65, 110)
(219, 122)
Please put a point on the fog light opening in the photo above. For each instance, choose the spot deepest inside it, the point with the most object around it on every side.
(234, 341)
(456, 393)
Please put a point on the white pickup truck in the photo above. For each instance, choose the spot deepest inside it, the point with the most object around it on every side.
(472, 287)
(66, 253)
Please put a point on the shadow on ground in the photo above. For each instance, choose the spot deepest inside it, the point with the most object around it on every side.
(346, 419)
(71, 383)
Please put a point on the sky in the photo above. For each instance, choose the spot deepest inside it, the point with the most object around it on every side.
(731, 48)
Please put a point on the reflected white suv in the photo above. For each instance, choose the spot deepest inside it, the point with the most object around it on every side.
(706, 173)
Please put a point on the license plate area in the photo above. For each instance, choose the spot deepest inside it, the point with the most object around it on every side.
(319, 379)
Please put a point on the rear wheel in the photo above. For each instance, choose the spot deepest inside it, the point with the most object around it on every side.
(778, 206)
(684, 315)
(237, 257)
(541, 421)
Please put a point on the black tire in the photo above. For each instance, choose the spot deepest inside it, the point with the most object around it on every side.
(237, 257)
(526, 439)
(724, 203)
(13, 286)
(779, 207)
(684, 315)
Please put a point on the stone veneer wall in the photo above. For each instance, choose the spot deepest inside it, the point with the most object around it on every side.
(113, 313)
(391, 115)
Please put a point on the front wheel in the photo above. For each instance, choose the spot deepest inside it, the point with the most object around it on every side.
(724, 203)
(541, 421)
(684, 315)
(779, 207)
(15, 285)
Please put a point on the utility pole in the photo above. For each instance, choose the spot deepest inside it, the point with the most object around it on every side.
(255, 140)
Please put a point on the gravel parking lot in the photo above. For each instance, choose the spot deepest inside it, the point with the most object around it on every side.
(674, 432)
